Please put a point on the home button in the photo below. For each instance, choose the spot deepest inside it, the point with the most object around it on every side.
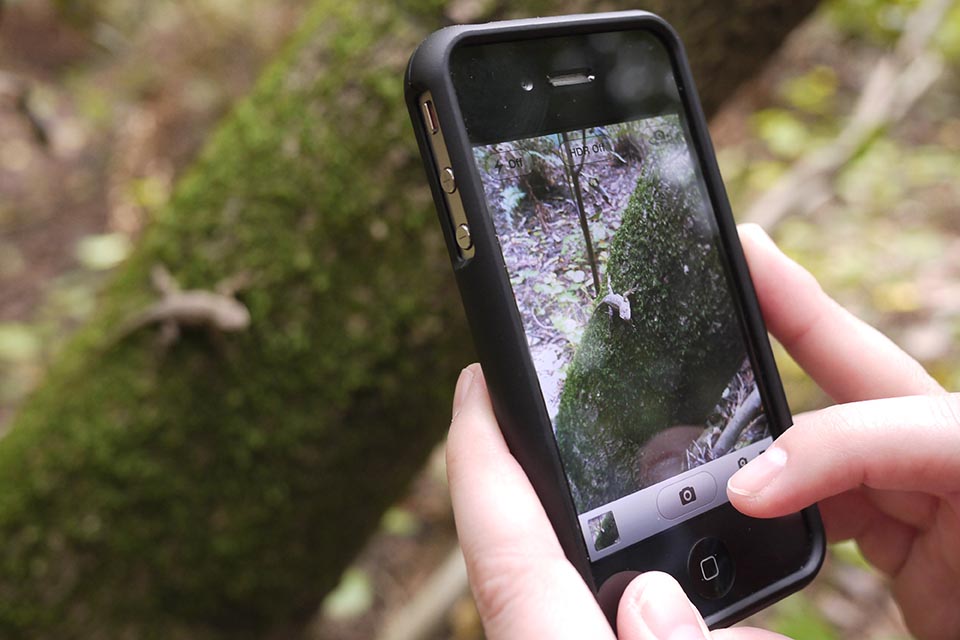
(711, 568)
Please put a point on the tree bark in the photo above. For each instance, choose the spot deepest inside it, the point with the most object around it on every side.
(218, 487)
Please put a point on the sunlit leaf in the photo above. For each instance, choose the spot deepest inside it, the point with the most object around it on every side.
(784, 133)
(400, 522)
(764, 174)
(811, 91)
(352, 597)
(104, 251)
(18, 343)
(849, 553)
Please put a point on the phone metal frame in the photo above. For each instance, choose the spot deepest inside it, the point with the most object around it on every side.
(488, 299)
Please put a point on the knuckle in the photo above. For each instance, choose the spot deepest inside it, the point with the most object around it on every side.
(506, 580)
(493, 581)
(921, 378)
(837, 424)
(949, 409)
(457, 449)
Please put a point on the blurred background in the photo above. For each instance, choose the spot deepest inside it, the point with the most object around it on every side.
(845, 146)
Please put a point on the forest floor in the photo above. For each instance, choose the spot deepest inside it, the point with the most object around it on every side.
(120, 101)
(543, 246)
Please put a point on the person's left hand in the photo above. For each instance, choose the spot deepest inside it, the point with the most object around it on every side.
(523, 584)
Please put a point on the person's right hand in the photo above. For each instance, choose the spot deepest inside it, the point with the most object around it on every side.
(884, 469)
(887, 473)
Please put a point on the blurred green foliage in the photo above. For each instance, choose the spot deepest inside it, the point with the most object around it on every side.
(351, 598)
(877, 21)
(849, 553)
(884, 244)
(887, 243)
(948, 39)
(881, 22)
(812, 91)
(786, 135)
(798, 618)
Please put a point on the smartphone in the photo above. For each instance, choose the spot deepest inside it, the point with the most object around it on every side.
(609, 299)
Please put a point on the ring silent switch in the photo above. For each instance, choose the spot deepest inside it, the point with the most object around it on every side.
(711, 568)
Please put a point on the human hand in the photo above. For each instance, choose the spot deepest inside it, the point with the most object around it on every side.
(886, 472)
(525, 587)
(523, 584)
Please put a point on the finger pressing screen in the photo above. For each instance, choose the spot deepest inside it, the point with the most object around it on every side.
(898, 444)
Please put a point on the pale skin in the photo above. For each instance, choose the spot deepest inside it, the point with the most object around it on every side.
(883, 464)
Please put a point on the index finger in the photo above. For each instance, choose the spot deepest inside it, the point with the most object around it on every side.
(848, 358)
(523, 584)
(903, 444)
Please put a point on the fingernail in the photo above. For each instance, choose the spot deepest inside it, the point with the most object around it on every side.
(759, 473)
(464, 382)
(757, 232)
(667, 612)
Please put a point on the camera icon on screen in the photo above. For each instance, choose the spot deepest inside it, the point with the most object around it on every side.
(687, 495)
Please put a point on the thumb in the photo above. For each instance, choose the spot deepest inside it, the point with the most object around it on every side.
(654, 607)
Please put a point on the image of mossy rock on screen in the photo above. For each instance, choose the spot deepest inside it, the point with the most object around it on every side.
(656, 360)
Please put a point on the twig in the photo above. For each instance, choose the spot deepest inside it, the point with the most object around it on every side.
(422, 617)
(742, 418)
(574, 177)
(894, 85)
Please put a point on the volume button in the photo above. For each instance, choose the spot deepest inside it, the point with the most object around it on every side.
(464, 240)
(447, 180)
(457, 216)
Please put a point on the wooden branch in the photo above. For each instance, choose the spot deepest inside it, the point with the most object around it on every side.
(742, 417)
(894, 85)
(423, 616)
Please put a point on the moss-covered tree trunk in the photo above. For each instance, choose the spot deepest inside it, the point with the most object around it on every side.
(666, 364)
(218, 487)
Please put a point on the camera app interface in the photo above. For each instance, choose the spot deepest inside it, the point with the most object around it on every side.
(611, 249)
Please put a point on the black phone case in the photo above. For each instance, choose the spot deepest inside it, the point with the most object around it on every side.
(488, 298)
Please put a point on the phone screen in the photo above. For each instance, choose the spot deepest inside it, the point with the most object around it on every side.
(611, 247)
(611, 251)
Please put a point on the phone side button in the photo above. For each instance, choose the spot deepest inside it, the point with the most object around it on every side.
(447, 180)
(464, 240)
(711, 568)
